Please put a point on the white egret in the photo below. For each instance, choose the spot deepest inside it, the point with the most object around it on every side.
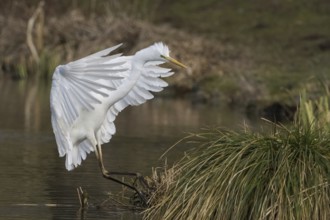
(87, 95)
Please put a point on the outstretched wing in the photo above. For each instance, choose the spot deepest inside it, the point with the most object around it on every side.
(78, 87)
(149, 81)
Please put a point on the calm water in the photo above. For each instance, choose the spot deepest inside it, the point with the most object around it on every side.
(33, 181)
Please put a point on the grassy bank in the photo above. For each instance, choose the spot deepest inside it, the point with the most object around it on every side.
(76, 32)
(241, 54)
(282, 174)
(283, 44)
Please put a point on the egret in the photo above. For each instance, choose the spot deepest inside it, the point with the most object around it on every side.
(87, 95)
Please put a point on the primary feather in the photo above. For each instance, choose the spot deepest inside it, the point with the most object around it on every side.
(88, 94)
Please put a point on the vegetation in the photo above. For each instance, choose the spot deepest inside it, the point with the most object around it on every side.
(52, 38)
(283, 174)
(280, 44)
(315, 114)
(239, 52)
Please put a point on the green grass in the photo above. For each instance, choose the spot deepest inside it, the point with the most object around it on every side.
(281, 40)
(283, 174)
(27, 68)
(315, 113)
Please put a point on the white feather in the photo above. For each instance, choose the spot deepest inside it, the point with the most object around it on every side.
(88, 94)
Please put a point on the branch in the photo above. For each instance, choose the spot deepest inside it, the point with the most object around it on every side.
(29, 39)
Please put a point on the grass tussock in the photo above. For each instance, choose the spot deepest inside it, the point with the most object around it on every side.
(284, 174)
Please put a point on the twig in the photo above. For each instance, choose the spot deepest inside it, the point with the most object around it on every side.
(83, 198)
(29, 39)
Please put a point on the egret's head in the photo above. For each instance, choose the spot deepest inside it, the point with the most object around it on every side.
(161, 49)
(157, 52)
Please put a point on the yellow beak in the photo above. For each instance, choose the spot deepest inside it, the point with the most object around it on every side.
(172, 60)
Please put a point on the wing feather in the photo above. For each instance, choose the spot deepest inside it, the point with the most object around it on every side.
(72, 112)
(88, 86)
(101, 58)
(144, 92)
(102, 53)
(94, 85)
(148, 82)
(149, 87)
(105, 70)
(78, 86)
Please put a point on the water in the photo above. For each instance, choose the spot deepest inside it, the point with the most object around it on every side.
(34, 183)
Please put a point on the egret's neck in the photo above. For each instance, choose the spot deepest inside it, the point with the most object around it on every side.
(127, 85)
(137, 67)
(135, 72)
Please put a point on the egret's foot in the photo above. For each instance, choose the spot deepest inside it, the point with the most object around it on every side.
(140, 199)
(142, 195)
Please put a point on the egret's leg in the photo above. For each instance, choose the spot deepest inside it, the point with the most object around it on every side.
(106, 174)
(99, 156)
(104, 171)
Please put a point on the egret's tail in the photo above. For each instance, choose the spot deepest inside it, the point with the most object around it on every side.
(77, 154)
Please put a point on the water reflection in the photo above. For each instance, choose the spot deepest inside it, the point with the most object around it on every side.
(34, 183)
(24, 106)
